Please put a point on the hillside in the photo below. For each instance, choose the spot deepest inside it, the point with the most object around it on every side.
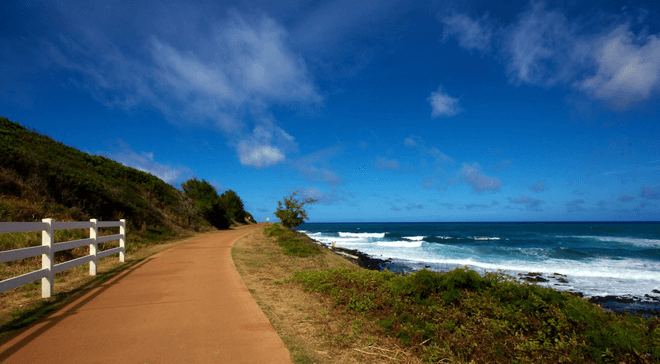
(41, 178)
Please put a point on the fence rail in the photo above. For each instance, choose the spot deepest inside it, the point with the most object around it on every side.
(49, 247)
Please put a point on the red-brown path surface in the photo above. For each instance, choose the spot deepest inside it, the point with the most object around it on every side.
(183, 305)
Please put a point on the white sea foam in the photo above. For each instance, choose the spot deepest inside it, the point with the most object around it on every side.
(600, 277)
(361, 235)
(416, 238)
(401, 243)
(625, 240)
(596, 276)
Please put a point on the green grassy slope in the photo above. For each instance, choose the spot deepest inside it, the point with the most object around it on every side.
(42, 178)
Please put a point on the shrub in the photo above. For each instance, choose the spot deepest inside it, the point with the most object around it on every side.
(291, 213)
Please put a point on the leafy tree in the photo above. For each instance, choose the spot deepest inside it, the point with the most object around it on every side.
(207, 201)
(292, 213)
(234, 206)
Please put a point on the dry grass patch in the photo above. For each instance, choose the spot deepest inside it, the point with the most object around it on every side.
(311, 327)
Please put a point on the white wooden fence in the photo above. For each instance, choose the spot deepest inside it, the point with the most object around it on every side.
(48, 248)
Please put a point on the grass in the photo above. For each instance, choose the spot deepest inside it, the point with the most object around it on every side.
(363, 316)
(292, 242)
(463, 316)
(40, 177)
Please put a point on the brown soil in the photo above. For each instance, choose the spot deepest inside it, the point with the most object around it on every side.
(313, 330)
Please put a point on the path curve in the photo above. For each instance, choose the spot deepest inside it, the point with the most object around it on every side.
(187, 304)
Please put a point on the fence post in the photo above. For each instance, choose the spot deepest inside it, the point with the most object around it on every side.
(122, 240)
(47, 240)
(93, 234)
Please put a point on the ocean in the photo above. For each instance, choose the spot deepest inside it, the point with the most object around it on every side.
(594, 259)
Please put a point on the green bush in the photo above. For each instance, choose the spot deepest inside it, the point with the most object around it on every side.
(207, 201)
(292, 242)
(461, 315)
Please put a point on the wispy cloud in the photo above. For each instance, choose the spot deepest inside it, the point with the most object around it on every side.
(384, 163)
(443, 105)
(315, 166)
(502, 165)
(408, 206)
(325, 198)
(230, 79)
(575, 205)
(412, 141)
(625, 198)
(471, 206)
(471, 34)
(545, 48)
(145, 162)
(473, 176)
(650, 193)
(530, 204)
(538, 187)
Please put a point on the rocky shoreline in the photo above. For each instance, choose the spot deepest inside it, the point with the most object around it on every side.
(647, 305)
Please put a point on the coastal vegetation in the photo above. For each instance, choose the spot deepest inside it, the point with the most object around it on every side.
(221, 211)
(292, 242)
(458, 316)
(292, 213)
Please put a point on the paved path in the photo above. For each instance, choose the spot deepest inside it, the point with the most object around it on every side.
(183, 305)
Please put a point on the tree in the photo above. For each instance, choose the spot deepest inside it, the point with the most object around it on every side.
(207, 201)
(292, 213)
(234, 206)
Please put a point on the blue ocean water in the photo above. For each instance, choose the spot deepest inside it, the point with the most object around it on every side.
(595, 259)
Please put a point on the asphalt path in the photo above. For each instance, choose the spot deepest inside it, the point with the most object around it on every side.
(187, 304)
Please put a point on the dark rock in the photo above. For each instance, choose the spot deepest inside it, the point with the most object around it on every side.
(559, 274)
(562, 280)
(607, 299)
(656, 291)
(533, 274)
(364, 260)
(534, 279)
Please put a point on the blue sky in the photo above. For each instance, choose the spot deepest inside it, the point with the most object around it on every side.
(381, 110)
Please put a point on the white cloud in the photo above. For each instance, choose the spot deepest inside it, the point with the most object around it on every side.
(471, 34)
(145, 162)
(230, 78)
(442, 104)
(257, 151)
(472, 175)
(543, 48)
(628, 67)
